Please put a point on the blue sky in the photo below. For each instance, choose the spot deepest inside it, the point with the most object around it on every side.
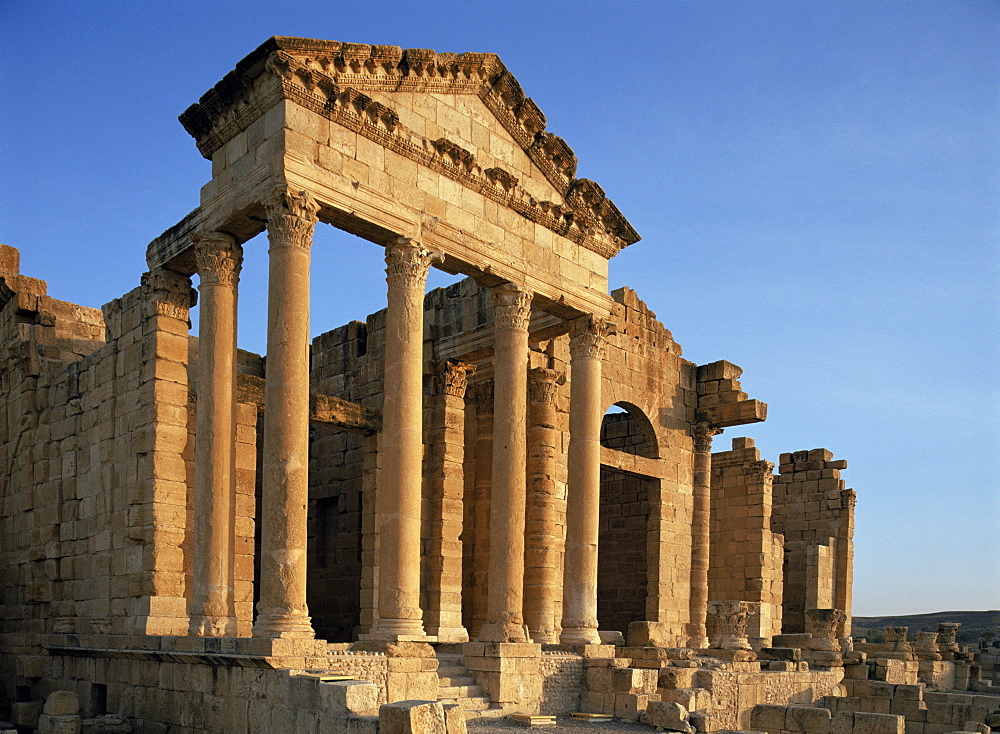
(816, 185)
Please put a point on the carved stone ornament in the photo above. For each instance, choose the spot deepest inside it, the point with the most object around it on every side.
(760, 472)
(822, 624)
(702, 434)
(168, 293)
(291, 218)
(219, 258)
(587, 336)
(455, 377)
(511, 307)
(729, 623)
(407, 263)
(482, 393)
(543, 385)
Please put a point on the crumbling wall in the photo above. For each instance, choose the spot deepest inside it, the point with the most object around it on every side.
(815, 513)
(745, 556)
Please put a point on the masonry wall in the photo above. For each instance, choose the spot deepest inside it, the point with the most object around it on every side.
(746, 556)
(815, 513)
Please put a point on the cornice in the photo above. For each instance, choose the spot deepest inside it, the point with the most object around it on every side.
(330, 78)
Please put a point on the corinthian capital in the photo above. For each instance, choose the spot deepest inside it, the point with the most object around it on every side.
(543, 383)
(219, 258)
(702, 434)
(455, 377)
(407, 263)
(511, 307)
(587, 336)
(291, 218)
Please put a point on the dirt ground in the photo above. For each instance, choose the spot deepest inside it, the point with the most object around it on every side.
(564, 725)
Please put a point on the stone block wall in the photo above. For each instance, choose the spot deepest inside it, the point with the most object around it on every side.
(622, 564)
(746, 556)
(95, 440)
(562, 682)
(813, 508)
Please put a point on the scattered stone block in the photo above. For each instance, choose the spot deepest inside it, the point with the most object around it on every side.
(454, 719)
(667, 715)
(865, 723)
(62, 703)
(808, 719)
(412, 717)
(26, 713)
(767, 717)
(48, 724)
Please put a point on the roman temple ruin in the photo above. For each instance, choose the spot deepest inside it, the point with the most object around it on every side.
(496, 498)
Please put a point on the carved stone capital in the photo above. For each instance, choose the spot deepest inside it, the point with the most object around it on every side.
(822, 624)
(482, 393)
(407, 263)
(543, 384)
(760, 472)
(702, 434)
(168, 293)
(291, 218)
(587, 336)
(511, 307)
(219, 258)
(728, 620)
(455, 377)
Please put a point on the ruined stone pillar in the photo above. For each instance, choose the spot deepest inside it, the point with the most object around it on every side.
(446, 489)
(212, 611)
(399, 496)
(700, 539)
(504, 612)
(583, 495)
(483, 396)
(282, 610)
(541, 572)
(947, 639)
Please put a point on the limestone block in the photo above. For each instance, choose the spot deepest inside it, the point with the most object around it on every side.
(411, 717)
(48, 724)
(693, 699)
(26, 713)
(674, 677)
(629, 706)
(650, 633)
(769, 718)
(635, 680)
(843, 722)
(808, 719)
(454, 719)
(592, 702)
(110, 724)
(349, 697)
(865, 723)
(667, 715)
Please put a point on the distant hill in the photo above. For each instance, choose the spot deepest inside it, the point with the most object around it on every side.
(974, 625)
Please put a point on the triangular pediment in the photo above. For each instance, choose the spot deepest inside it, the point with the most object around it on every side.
(377, 91)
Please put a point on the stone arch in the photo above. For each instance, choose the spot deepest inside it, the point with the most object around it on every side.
(629, 430)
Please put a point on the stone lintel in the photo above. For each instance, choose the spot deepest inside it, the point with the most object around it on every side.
(640, 466)
(322, 408)
(734, 414)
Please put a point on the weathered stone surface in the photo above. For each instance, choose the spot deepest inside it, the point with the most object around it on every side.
(667, 715)
(412, 717)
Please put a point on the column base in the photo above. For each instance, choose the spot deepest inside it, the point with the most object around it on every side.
(212, 626)
(698, 642)
(503, 632)
(544, 637)
(283, 626)
(580, 636)
(449, 634)
(398, 630)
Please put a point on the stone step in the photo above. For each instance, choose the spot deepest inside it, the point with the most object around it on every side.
(467, 691)
(464, 679)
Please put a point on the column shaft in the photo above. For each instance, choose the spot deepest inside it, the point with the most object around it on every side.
(399, 496)
(586, 410)
(282, 610)
(446, 489)
(542, 536)
(212, 610)
(504, 613)
(700, 529)
(483, 393)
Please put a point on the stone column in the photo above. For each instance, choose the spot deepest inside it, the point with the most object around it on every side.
(482, 393)
(212, 611)
(948, 637)
(541, 572)
(504, 612)
(282, 610)
(586, 411)
(700, 539)
(446, 494)
(399, 496)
